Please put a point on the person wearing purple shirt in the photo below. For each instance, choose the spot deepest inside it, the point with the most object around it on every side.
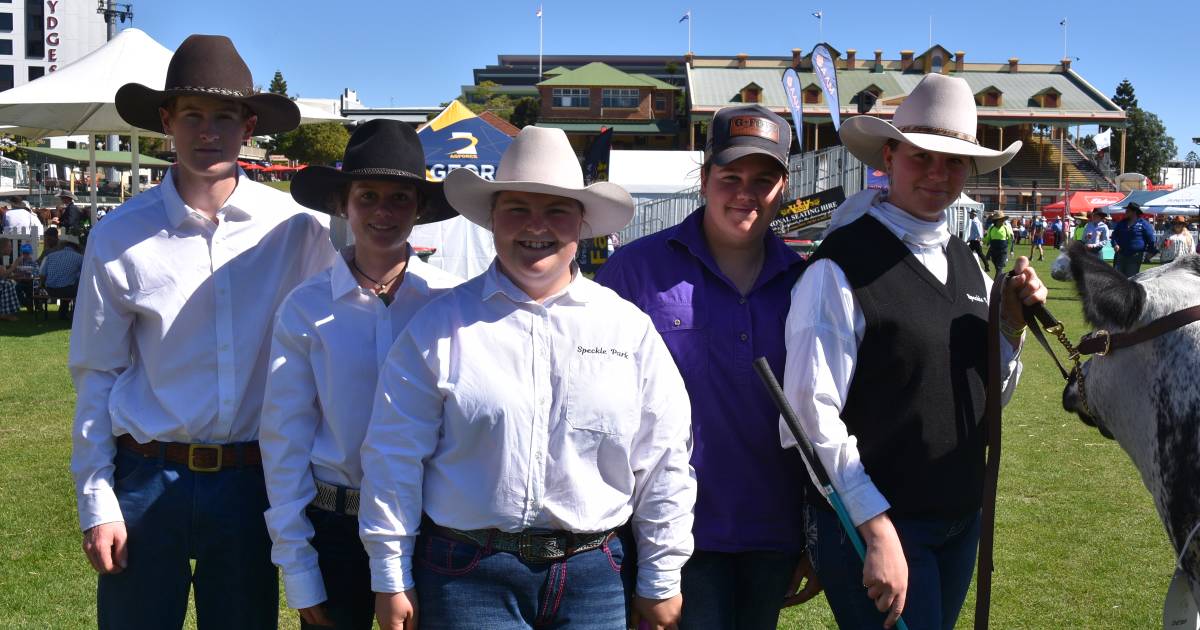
(717, 287)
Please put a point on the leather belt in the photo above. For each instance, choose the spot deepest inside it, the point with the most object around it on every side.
(197, 457)
(336, 499)
(529, 545)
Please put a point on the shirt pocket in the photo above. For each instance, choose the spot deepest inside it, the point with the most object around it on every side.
(684, 329)
(602, 390)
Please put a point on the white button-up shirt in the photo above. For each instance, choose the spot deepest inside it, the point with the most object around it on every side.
(824, 329)
(331, 335)
(173, 323)
(494, 411)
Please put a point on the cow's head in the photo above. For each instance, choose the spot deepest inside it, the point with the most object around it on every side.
(1114, 303)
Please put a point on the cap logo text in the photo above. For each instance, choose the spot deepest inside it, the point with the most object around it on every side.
(753, 126)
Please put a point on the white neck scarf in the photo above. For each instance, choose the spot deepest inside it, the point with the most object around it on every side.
(923, 234)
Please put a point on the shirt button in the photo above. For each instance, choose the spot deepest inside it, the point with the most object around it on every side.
(741, 300)
(743, 336)
(676, 323)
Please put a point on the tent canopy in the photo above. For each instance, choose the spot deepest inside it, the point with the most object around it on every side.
(655, 171)
(1083, 201)
(457, 138)
(1140, 197)
(103, 158)
(1189, 196)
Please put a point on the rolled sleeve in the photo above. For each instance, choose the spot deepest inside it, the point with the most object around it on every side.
(101, 349)
(287, 432)
(401, 437)
(664, 494)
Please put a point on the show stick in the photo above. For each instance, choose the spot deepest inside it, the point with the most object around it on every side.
(804, 445)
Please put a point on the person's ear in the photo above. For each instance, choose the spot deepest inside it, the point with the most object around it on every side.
(164, 116)
(248, 127)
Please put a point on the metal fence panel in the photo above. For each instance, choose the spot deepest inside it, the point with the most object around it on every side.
(808, 174)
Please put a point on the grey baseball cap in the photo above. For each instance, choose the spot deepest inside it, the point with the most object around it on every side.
(741, 130)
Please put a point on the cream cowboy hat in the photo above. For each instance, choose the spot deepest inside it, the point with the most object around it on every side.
(939, 115)
(540, 160)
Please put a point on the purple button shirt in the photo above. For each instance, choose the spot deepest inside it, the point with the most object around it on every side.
(750, 490)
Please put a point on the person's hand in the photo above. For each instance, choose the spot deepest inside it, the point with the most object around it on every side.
(1022, 287)
(105, 547)
(805, 574)
(885, 570)
(657, 614)
(315, 616)
(396, 611)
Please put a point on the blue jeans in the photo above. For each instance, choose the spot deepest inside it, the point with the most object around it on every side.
(464, 586)
(172, 516)
(941, 559)
(345, 570)
(742, 591)
(1129, 264)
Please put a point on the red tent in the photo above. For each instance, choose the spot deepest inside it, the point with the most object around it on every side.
(1083, 201)
(249, 166)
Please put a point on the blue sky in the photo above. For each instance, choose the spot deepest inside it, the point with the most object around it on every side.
(397, 52)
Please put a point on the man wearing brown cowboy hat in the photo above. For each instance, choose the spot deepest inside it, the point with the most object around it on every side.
(72, 216)
(169, 356)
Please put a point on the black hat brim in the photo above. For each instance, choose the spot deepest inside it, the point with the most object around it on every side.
(317, 187)
(138, 105)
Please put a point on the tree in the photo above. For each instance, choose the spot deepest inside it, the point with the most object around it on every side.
(278, 85)
(526, 112)
(1148, 147)
(1124, 97)
(322, 143)
(1192, 158)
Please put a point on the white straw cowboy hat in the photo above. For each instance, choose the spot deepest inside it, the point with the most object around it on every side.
(540, 160)
(939, 115)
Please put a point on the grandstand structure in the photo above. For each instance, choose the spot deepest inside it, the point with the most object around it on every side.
(1035, 103)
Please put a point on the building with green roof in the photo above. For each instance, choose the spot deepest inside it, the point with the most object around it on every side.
(639, 108)
(1034, 103)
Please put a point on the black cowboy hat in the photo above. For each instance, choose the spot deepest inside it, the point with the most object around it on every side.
(378, 149)
(207, 65)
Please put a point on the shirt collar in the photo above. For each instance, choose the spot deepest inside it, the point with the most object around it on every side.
(236, 208)
(495, 283)
(342, 281)
(778, 256)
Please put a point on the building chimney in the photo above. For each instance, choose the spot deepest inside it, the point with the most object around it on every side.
(959, 60)
(741, 60)
(878, 60)
(1014, 64)
(796, 57)
(906, 58)
(688, 57)
(850, 53)
(1066, 64)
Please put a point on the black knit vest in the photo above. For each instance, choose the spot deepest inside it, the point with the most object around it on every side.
(916, 401)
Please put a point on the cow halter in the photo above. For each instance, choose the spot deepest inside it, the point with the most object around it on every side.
(1100, 342)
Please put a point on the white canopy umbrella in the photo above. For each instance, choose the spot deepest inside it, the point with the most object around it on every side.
(1189, 196)
(78, 98)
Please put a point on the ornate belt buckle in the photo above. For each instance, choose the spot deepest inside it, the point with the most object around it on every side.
(195, 449)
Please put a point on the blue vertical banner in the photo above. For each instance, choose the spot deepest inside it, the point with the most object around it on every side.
(791, 90)
(822, 63)
(593, 252)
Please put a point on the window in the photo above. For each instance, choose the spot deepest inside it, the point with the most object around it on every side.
(572, 97)
(5, 46)
(6, 77)
(6, 22)
(751, 95)
(621, 97)
(990, 98)
(35, 29)
(660, 102)
(1050, 100)
(36, 72)
(812, 96)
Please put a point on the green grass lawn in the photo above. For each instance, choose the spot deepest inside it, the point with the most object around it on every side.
(1078, 544)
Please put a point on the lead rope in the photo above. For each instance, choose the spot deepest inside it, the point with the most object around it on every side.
(1184, 547)
(991, 472)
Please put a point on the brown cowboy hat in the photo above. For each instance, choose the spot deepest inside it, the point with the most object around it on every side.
(207, 65)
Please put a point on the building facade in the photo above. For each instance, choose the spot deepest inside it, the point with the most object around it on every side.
(640, 109)
(40, 36)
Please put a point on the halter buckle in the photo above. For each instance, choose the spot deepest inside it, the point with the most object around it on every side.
(1107, 342)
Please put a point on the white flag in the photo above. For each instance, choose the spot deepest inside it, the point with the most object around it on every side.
(1103, 140)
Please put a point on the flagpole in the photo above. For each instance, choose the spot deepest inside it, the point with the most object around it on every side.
(1063, 23)
(690, 31)
(539, 14)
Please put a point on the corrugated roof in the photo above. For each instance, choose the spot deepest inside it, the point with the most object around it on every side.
(653, 127)
(553, 72)
(601, 74)
(712, 88)
(103, 158)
